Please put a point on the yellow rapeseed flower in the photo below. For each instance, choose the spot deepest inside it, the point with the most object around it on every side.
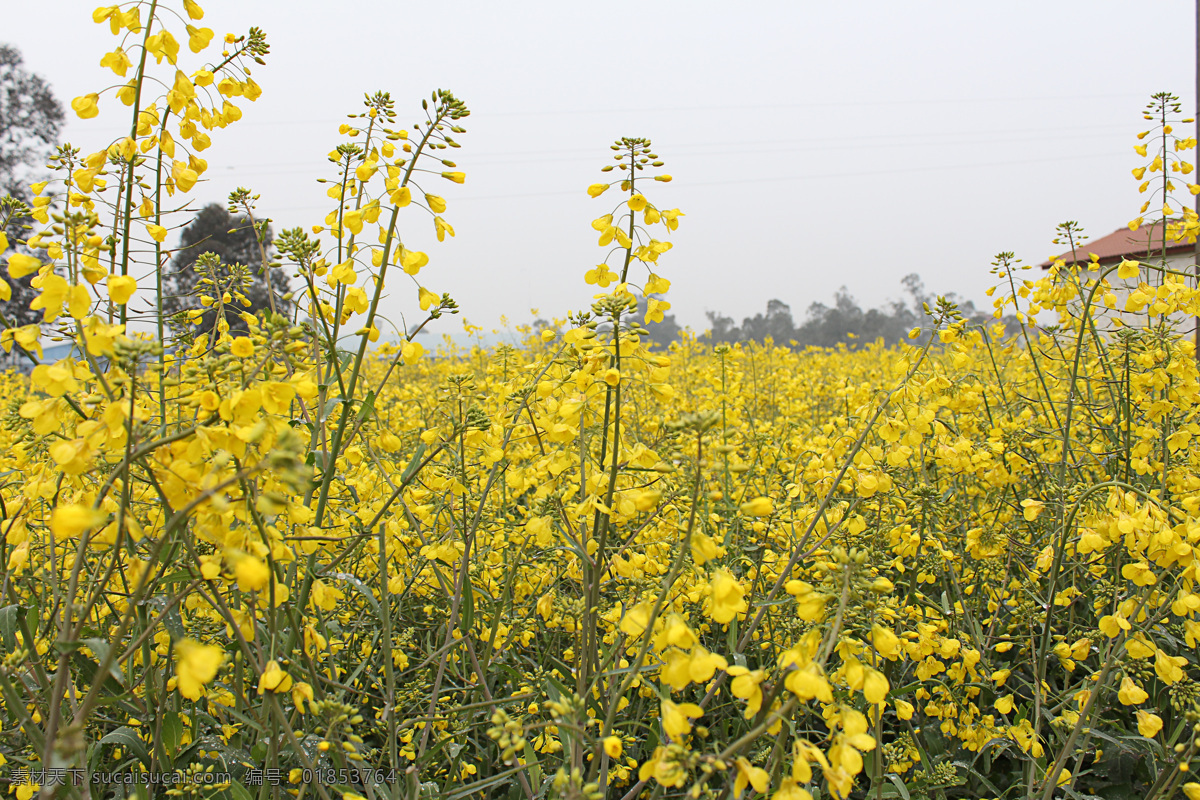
(73, 520)
(196, 665)
(758, 507)
(274, 679)
(242, 347)
(121, 288)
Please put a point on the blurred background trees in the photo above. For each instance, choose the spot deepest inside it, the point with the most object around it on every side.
(239, 245)
(30, 121)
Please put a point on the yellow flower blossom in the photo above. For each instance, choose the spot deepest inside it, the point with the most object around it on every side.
(676, 719)
(727, 597)
(196, 665)
(121, 288)
(274, 679)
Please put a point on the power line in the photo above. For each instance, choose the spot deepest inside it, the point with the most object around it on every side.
(709, 108)
(782, 178)
(829, 104)
(715, 148)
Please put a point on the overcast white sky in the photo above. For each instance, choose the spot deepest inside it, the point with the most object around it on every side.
(813, 145)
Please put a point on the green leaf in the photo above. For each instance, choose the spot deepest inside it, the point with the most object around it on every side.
(362, 588)
(472, 790)
(899, 784)
(413, 463)
(239, 792)
(127, 737)
(535, 766)
(172, 732)
(8, 627)
(330, 405)
(171, 619)
(970, 768)
(100, 648)
(368, 405)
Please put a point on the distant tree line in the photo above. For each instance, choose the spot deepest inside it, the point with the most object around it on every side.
(843, 322)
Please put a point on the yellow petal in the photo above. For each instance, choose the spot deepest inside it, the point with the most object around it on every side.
(20, 265)
(1148, 724)
(412, 351)
(1128, 269)
(86, 106)
(875, 686)
(758, 507)
(121, 288)
(73, 520)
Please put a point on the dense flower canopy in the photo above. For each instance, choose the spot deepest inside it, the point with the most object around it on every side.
(584, 566)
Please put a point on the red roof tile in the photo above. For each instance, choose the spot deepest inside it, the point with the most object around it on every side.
(1124, 243)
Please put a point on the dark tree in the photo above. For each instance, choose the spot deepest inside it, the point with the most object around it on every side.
(776, 324)
(30, 120)
(722, 329)
(236, 249)
(827, 326)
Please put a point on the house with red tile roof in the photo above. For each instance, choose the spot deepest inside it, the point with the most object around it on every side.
(1145, 245)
